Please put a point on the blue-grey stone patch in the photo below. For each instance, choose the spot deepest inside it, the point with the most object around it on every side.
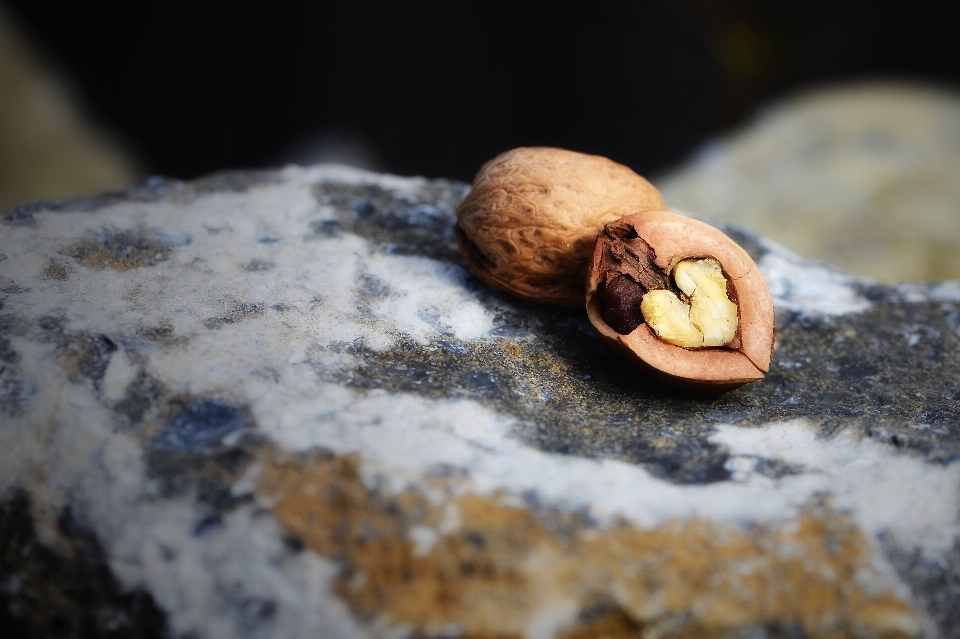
(92, 353)
(207, 525)
(855, 371)
(256, 610)
(369, 290)
(203, 424)
(10, 325)
(145, 395)
(481, 381)
(894, 369)
(206, 475)
(14, 389)
(775, 468)
(201, 451)
(401, 223)
(14, 289)
(258, 266)
(160, 334)
(69, 591)
(84, 355)
(325, 228)
(831, 399)
(22, 215)
(934, 583)
(239, 312)
(725, 415)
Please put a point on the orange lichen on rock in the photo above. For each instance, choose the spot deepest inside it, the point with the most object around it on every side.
(506, 571)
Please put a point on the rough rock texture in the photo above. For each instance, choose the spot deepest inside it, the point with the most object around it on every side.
(277, 404)
(862, 177)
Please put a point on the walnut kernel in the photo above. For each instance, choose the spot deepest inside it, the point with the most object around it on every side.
(710, 318)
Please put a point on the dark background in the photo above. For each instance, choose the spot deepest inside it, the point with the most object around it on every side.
(438, 88)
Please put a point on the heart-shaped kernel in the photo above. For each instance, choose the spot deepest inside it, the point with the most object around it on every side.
(710, 319)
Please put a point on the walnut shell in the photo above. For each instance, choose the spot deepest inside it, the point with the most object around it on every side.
(669, 238)
(529, 224)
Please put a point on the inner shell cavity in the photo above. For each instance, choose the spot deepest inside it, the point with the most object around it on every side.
(689, 307)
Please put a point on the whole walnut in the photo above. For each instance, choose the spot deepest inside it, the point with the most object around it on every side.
(529, 225)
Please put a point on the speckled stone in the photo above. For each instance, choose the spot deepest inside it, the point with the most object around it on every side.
(277, 404)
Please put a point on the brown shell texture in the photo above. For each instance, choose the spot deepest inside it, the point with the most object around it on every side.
(674, 238)
(529, 225)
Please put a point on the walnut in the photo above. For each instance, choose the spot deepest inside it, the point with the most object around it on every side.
(681, 300)
(529, 225)
(710, 318)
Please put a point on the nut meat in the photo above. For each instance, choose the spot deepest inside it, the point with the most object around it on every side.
(530, 222)
(682, 300)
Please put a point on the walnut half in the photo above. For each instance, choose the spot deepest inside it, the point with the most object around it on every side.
(682, 300)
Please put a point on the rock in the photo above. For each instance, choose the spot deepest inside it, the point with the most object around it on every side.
(49, 147)
(277, 404)
(862, 177)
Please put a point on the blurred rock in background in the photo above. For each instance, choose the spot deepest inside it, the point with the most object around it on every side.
(863, 177)
(843, 175)
(48, 150)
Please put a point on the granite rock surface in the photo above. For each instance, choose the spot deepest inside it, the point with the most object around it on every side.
(277, 404)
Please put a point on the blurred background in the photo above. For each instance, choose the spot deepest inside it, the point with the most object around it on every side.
(833, 127)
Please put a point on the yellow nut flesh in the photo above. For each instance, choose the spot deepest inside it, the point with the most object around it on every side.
(709, 320)
(670, 319)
